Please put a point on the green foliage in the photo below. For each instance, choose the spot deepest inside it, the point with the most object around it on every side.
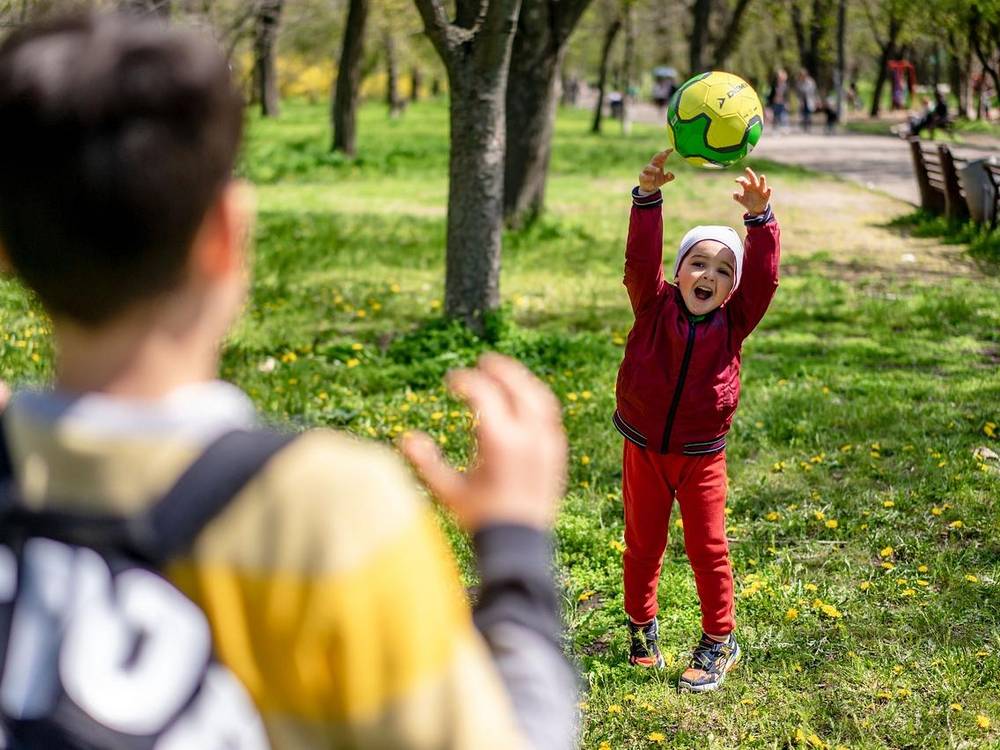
(866, 392)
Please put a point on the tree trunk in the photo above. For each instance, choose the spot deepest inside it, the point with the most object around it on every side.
(540, 44)
(265, 72)
(345, 101)
(730, 38)
(415, 79)
(700, 15)
(476, 50)
(531, 111)
(628, 68)
(475, 198)
(609, 40)
(841, 57)
(984, 54)
(392, 98)
(883, 67)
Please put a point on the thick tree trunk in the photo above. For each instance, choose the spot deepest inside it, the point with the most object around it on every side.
(540, 43)
(531, 112)
(345, 101)
(602, 81)
(415, 81)
(475, 196)
(700, 14)
(476, 49)
(265, 72)
(392, 98)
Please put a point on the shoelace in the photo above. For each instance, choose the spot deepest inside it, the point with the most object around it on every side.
(707, 653)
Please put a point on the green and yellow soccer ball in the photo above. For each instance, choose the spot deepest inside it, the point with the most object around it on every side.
(714, 119)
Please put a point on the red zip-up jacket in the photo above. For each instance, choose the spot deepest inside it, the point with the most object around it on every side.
(679, 383)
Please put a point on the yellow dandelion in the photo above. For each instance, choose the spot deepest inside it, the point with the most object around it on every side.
(956, 707)
(617, 546)
(830, 611)
(614, 708)
(353, 362)
(289, 357)
(586, 395)
(922, 568)
(773, 516)
(936, 511)
(819, 515)
(886, 552)
(357, 347)
(437, 416)
(865, 585)
(571, 396)
(922, 583)
(435, 304)
(679, 523)
(811, 587)
(362, 313)
(657, 737)
(585, 596)
(972, 579)
(792, 614)
(956, 525)
(584, 460)
(888, 504)
(909, 592)
(394, 288)
(832, 523)
(884, 695)
(604, 746)
(990, 428)
(982, 721)
(888, 566)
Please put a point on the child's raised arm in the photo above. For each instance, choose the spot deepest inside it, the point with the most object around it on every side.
(644, 250)
(761, 254)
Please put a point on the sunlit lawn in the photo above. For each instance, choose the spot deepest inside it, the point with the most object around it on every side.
(864, 527)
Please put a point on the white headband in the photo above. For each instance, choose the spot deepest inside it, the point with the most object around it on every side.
(726, 235)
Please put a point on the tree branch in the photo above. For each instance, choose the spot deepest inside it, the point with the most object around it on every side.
(724, 45)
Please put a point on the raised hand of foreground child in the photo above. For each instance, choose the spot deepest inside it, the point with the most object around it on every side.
(652, 177)
(756, 194)
(519, 472)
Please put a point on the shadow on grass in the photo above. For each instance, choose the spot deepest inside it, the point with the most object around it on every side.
(983, 241)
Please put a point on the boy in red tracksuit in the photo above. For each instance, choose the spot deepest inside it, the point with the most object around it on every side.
(677, 389)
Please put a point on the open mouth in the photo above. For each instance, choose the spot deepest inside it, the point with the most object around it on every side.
(702, 293)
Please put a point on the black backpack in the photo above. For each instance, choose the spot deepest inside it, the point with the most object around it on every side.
(97, 648)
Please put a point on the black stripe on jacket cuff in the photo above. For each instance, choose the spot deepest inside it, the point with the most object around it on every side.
(515, 569)
(646, 201)
(759, 219)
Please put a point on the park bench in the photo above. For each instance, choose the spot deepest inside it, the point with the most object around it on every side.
(993, 171)
(937, 177)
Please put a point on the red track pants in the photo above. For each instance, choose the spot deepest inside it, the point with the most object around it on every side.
(650, 482)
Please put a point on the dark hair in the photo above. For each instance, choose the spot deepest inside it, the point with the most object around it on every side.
(116, 136)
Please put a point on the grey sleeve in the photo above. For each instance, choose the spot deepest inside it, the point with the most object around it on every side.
(518, 616)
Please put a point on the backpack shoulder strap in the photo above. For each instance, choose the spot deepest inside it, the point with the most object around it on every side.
(203, 491)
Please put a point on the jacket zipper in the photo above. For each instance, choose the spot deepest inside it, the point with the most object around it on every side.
(680, 386)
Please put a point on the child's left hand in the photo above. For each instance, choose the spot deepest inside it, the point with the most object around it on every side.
(756, 193)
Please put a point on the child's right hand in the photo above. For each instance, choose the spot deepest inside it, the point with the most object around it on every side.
(652, 177)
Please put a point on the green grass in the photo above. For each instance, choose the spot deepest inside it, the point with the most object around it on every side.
(865, 395)
(982, 240)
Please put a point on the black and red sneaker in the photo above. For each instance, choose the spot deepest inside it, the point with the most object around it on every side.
(710, 663)
(644, 651)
